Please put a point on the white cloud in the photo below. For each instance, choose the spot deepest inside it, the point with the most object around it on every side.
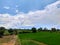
(49, 16)
(17, 11)
(6, 7)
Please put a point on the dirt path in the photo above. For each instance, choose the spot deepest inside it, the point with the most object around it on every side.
(12, 42)
(15, 41)
(39, 43)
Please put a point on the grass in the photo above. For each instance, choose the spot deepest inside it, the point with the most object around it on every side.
(17, 41)
(44, 37)
(27, 42)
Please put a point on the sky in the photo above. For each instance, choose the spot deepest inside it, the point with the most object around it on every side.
(29, 13)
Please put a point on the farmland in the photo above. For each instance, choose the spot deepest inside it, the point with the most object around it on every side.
(30, 36)
(47, 38)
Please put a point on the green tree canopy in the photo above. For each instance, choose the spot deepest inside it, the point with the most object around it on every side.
(33, 30)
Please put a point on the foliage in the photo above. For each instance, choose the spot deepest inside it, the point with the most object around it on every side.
(2, 29)
(45, 29)
(53, 29)
(40, 29)
(6, 32)
(10, 31)
(33, 30)
(15, 31)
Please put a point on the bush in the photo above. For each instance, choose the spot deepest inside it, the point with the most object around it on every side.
(53, 29)
(33, 30)
(6, 32)
(40, 29)
(45, 29)
(10, 31)
(15, 32)
(2, 30)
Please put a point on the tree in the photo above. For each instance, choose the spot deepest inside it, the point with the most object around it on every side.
(45, 29)
(53, 29)
(58, 29)
(2, 29)
(10, 31)
(33, 30)
(6, 32)
(15, 31)
(40, 29)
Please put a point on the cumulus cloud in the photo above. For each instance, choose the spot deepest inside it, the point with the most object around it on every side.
(49, 16)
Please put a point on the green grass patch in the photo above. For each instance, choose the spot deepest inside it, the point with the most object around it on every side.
(27, 42)
(45, 37)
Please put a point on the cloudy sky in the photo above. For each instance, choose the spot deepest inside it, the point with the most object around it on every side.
(30, 13)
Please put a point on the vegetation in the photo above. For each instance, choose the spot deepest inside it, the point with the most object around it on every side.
(10, 31)
(2, 29)
(27, 42)
(40, 29)
(53, 29)
(33, 30)
(44, 37)
(6, 32)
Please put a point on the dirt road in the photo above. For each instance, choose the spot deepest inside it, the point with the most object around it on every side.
(12, 42)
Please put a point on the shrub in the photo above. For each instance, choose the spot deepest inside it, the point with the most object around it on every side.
(53, 29)
(33, 30)
(10, 31)
(2, 29)
(40, 29)
(6, 32)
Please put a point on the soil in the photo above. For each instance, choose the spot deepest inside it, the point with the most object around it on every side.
(11, 41)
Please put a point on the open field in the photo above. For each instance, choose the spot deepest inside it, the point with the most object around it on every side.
(40, 38)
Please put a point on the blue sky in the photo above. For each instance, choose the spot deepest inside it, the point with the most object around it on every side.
(29, 13)
(23, 5)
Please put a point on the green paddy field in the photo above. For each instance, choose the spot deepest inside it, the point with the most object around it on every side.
(45, 38)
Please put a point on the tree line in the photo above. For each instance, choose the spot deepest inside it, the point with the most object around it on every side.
(4, 31)
(45, 29)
